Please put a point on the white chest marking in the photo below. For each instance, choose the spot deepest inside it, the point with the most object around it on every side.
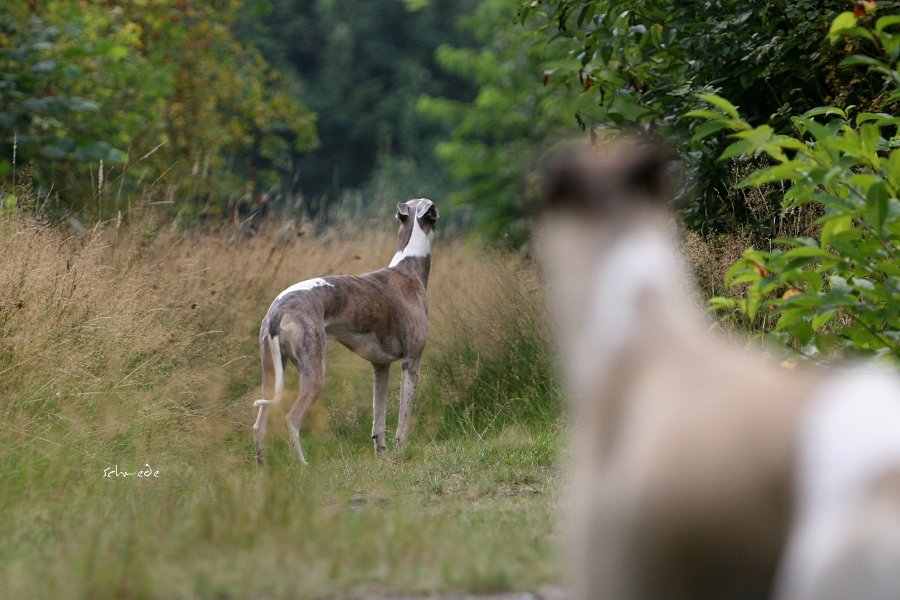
(304, 285)
(641, 262)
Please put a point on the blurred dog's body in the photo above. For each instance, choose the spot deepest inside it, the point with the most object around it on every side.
(691, 456)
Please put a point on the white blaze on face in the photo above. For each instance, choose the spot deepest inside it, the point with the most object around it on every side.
(304, 285)
(419, 243)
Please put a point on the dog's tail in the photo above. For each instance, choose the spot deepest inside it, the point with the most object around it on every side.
(272, 369)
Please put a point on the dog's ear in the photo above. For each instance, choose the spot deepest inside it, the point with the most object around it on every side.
(648, 173)
(402, 211)
(566, 182)
(427, 210)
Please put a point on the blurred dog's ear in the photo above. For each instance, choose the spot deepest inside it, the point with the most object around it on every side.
(649, 173)
(566, 182)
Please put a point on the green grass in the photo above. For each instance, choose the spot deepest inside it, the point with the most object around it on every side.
(125, 350)
(452, 515)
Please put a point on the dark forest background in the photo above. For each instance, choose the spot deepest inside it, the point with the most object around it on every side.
(232, 108)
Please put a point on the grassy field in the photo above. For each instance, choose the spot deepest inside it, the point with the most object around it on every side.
(135, 348)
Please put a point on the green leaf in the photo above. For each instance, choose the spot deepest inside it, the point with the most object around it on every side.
(825, 110)
(789, 318)
(827, 342)
(870, 136)
(722, 104)
(738, 148)
(879, 118)
(821, 319)
(838, 284)
(117, 52)
(877, 206)
(858, 59)
(787, 171)
(749, 143)
(802, 331)
(754, 301)
(718, 303)
(884, 22)
(843, 21)
(834, 226)
(808, 251)
(710, 127)
(863, 284)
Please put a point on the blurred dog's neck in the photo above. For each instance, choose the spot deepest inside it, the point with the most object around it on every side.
(637, 291)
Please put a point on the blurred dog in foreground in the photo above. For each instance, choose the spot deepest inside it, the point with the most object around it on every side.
(699, 470)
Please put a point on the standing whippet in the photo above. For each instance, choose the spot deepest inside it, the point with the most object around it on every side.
(381, 316)
(702, 471)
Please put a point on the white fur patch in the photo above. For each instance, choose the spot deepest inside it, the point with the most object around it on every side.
(850, 436)
(642, 261)
(277, 365)
(304, 285)
(419, 244)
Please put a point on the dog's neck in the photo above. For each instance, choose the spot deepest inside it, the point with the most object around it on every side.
(635, 292)
(418, 267)
(413, 256)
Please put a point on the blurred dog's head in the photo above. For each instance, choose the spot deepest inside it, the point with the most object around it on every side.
(588, 200)
(613, 180)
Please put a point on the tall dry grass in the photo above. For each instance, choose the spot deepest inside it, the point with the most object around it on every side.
(137, 345)
(711, 256)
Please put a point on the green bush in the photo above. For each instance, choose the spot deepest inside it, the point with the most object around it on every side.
(495, 136)
(99, 100)
(642, 63)
(836, 292)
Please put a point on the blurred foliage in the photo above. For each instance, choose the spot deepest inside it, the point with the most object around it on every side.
(362, 66)
(643, 62)
(837, 291)
(157, 89)
(495, 135)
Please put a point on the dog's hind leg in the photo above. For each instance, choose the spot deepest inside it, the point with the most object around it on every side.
(309, 358)
(272, 386)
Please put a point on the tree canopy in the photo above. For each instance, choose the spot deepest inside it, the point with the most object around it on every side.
(153, 89)
(362, 66)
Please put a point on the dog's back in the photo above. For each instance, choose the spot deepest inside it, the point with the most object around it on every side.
(846, 540)
(381, 315)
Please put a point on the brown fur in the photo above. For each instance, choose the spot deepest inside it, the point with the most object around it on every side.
(693, 494)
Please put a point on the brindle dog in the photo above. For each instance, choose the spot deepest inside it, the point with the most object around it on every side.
(382, 316)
